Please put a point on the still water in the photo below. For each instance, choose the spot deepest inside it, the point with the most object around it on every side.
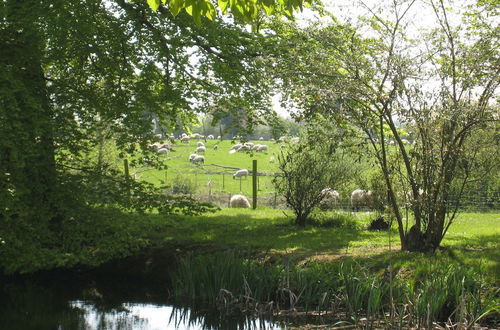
(65, 302)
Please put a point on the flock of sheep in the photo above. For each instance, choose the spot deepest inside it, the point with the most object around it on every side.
(359, 198)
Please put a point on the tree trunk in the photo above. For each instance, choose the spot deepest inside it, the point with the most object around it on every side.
(27, 146)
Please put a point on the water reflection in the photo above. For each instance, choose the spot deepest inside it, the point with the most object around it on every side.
(157, 317)
(68, 305)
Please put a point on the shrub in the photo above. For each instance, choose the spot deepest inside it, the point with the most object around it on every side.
(182, 185)
(335, 220)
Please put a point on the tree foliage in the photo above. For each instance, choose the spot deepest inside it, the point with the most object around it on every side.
(380, 84)
(244, 10)
(311, 164)
(75, 75)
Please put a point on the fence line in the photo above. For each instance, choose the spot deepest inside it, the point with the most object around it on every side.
(218, 189)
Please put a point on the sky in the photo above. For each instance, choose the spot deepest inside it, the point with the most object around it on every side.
(419, 17)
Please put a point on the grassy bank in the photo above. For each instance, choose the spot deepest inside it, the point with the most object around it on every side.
(473, 240)
(344, 271)
(270, 265)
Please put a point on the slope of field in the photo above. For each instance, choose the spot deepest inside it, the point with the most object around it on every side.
(215, 176)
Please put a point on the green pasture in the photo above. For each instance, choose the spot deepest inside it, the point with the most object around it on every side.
(214, 174)
(474, 239)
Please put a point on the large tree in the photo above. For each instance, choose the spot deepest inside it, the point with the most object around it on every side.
(75, 73)
(440, 87)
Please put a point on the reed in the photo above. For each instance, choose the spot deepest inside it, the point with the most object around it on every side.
(233, 281)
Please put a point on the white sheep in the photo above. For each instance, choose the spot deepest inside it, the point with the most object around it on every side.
(210, 137)
(262, 147)
(241, 173)
(216, 147)
(200, 149)
(185, 139)
(198, 159)
(239, 201)
(200, 144)
(245, 147)
(192, 156)
(235, 148)
(163, 151)
(261, 139)
(360, 197)
(330, 198)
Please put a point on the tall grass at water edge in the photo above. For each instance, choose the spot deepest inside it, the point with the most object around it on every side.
(230, 280)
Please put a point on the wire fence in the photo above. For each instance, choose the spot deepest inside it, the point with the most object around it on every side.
(215, 184)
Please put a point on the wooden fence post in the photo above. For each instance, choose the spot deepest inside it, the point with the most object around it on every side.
(254, 183)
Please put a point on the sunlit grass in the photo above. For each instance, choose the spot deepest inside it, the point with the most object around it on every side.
(474, 239)
(179, 166)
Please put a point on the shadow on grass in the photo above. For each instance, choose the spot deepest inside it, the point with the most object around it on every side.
(482, 249)
(249, 231)
(480, 252)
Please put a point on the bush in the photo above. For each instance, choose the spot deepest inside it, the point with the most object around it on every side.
(309, 165)
(335, 220)
(182, 185)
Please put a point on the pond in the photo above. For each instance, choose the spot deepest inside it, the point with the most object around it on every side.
(96, 301)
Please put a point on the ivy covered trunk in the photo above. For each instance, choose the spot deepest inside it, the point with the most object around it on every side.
(27, 164)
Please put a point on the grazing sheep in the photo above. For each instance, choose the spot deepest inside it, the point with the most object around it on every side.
(200, 149)
(200, 144)
(241, 173)
(261, 147)
(218, 137)
(261, 139)
(360, 198)
(239, 201)
(235, 148)
(330, 198)
(198, 159)
(192, 156)
(210, 137)
(216, 147)
(163, 151)
(185, 139)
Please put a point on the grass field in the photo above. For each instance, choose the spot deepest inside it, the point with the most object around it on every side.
(473, 240)
(220, 178)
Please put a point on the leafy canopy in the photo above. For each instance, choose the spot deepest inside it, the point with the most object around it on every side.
(244, 10)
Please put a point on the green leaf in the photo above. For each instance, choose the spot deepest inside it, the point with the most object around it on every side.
(268, 9)
(211, 12)
(223, 4)
(154, 4)
(175, 6)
